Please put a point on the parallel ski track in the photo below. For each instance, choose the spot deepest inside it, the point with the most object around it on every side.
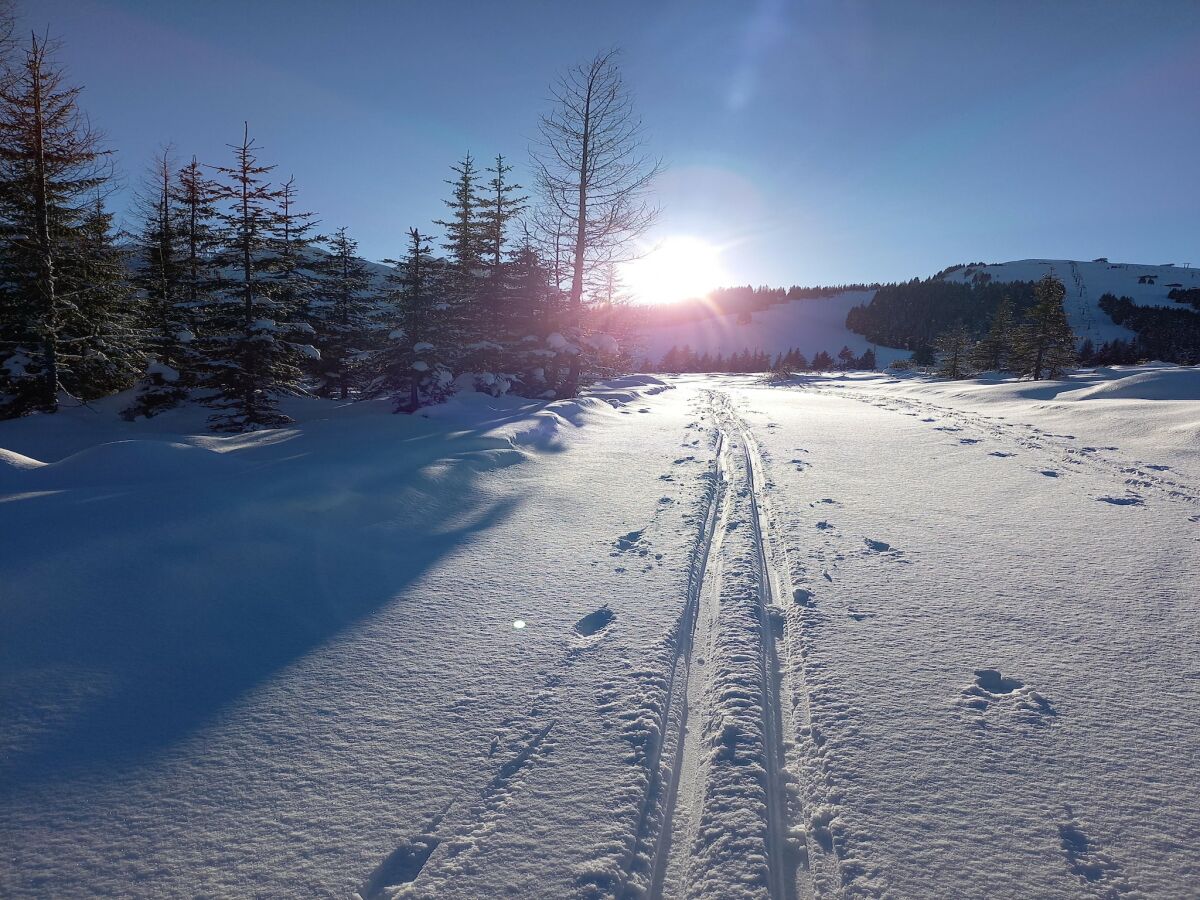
(656, 826)
(781, 871)
(661, 794)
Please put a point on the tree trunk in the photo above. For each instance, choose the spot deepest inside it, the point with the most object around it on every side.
(48, 399)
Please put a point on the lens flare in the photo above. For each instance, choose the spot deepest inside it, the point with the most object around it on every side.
(679, 268)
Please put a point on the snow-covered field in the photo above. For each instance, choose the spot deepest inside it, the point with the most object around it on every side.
(701, 637)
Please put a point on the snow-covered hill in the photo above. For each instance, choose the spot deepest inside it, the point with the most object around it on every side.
(1087, 282)
(811, 325)
(820, 324)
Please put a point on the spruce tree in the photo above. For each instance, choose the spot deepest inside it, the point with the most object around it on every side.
(994, 351)
(463, 243)
(194, 199)
(160, 268)
(101, 342)
(338, 312)
(251, 357)
(414, 369)
(1045, 344)
(63, 312)
(498, 204)
(291, 253)
(954, 350)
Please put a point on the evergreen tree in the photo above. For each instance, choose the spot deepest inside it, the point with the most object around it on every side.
(822, 362)
(464, 246)
(414, 368)
(101, 341)
(499, 204)
(867, 360)
(249, 360)
(994, 351)
(1045, 344)
(338, 312)
(924, 356)
(64, 315)
(291, 252)
(194, 199)
(160, 271)
(846, 358)
(1087, 352)
(954, 349)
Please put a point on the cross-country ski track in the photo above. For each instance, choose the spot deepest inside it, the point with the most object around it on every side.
(707, 638)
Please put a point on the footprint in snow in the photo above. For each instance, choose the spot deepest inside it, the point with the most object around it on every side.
(1087, 860)
(1128, 500)
(993, 690)
(594, 622)
(970, 441)
(825, 526)
(1049, 473)
(1001, 454)
(804, 597)
(880, 547)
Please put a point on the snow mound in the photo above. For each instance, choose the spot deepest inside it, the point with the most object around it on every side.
(15, 469)
(134, 462)
(628, 388)
(1156, 384)
(10, 459)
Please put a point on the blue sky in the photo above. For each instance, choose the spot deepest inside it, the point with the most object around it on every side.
(816, 142)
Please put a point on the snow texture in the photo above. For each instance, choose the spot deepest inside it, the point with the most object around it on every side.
(860, 635)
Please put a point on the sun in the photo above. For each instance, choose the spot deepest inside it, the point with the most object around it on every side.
(679, 268)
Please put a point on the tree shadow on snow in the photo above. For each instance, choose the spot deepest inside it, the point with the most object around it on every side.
(130, 617)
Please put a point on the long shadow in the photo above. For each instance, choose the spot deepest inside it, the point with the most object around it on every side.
(156, 607)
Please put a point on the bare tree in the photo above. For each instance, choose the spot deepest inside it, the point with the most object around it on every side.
(594, 174)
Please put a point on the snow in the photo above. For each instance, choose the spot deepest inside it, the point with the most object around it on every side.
(515, 648)
(163, 371)
(1087, 282)
(812, 325)
(819, 324)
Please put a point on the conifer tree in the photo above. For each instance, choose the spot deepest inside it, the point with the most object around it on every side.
(954, 347)
(994, 351)
(291, 252)
(338, 313)
(1045, 344)
(499, 204)
(194, 199)
(64, 323)
(250, 360)
(414, 369)
(160, 268)
(463, 243)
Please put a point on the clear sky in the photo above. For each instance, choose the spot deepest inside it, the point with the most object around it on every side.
(815, 142)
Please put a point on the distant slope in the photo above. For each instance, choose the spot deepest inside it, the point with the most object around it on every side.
(1086, 282)
(812, 325)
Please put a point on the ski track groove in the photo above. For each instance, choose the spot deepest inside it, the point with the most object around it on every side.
(673, 816)
(662, 794)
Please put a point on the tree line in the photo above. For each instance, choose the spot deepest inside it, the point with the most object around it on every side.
(685, 359)
(1037, 343)
(221, 291)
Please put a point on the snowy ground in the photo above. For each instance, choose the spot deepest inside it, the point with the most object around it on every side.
(844, 636)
